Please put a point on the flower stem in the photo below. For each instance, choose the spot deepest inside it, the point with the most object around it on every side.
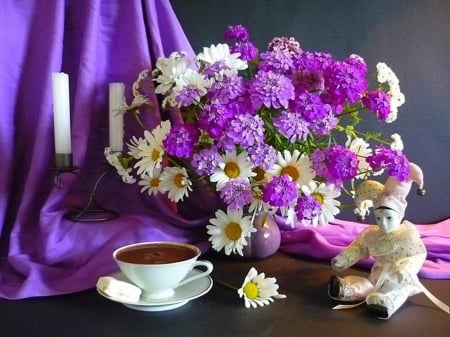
(225, 284)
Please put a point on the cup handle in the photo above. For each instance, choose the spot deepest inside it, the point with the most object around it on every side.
(209, 267)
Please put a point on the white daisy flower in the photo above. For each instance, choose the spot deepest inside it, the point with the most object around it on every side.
(257, 290)
(230, 167)
(150, 182)
(229, 231)
(361, 148)
(133, 147)
(113, 159)
(191, 79)
(297, 166)
(176, 182)
(169, 70)
(326, 196)
(220, 54)
(150, 150)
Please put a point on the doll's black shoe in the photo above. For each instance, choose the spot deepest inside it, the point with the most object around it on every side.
(334, 287)
(377, 310)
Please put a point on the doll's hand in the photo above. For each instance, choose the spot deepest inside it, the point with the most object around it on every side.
(337, 264)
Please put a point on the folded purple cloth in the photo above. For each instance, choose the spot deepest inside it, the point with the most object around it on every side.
(326, 242)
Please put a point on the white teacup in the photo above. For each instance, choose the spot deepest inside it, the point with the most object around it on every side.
(160, 267)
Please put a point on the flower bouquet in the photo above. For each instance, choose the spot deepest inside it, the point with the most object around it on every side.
(272, 131)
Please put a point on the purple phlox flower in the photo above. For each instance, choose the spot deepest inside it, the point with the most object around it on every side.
(284, 43)
(280, 191)
(378, 101)
(247, 50)
(181, 139)
(246, 130)
(307, 208)
(324, 125)
(335, 164)
(393, 161)
(278, 60)
(310, 106)
(216, 69)
(345, 83)
(263, 155)
(227, 89)
(292, 125)
(271, 90)
(214, 117)
(315, 62)
(236, 32)
(205, 161)
(358, 62)
(188, 95)
(237, 193)
(308, 80)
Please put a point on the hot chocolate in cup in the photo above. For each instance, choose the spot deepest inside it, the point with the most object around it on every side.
(158, 268)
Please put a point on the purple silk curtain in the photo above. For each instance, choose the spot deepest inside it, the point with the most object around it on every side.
(97, 42)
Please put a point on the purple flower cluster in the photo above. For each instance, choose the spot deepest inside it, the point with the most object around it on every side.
(394, 162)
(236, 194)
(205, 161)
(378, 101)
(335, 164)
(181, 139)
(272, 90)
(307, 208)
(280, 191)
(240, 36)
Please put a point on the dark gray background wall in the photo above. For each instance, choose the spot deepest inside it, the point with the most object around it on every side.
(411, 36)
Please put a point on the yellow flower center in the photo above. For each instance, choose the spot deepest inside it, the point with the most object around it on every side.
(259, 174)
(319, 197)
(232, 170)
(155, 154)
(233, 231)
(178, 180)
(291, 171)
(154, 182)
(251, 290)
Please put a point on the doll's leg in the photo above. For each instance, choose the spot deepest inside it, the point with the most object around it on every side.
(388, 299)
(349, 288)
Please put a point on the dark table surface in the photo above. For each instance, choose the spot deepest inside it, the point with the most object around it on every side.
(305, 312)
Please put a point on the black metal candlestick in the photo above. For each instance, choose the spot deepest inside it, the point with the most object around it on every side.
(92, 211)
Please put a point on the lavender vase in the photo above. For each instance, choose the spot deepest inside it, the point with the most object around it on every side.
(266, 240)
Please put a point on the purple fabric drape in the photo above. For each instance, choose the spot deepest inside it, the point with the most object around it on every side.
(96, 42)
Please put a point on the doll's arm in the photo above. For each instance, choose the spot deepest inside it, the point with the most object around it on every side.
(349, 256)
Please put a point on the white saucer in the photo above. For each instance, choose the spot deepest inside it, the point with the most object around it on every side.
(182, 295)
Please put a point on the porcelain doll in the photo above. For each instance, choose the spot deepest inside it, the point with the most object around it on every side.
(395, 245)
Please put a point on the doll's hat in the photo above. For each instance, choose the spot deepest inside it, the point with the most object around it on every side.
(391, 195)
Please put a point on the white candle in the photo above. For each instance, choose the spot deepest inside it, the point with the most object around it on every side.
(116, 103)
(61, 113)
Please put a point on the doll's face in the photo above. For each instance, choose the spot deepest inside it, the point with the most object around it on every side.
(387, 219)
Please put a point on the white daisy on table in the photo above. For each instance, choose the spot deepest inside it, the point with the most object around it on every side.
(297, 166)
(176, 182)
(362, 150)
(232, 166)
(229, 231)
(326, 196)
(150, 181)
(257, 290)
